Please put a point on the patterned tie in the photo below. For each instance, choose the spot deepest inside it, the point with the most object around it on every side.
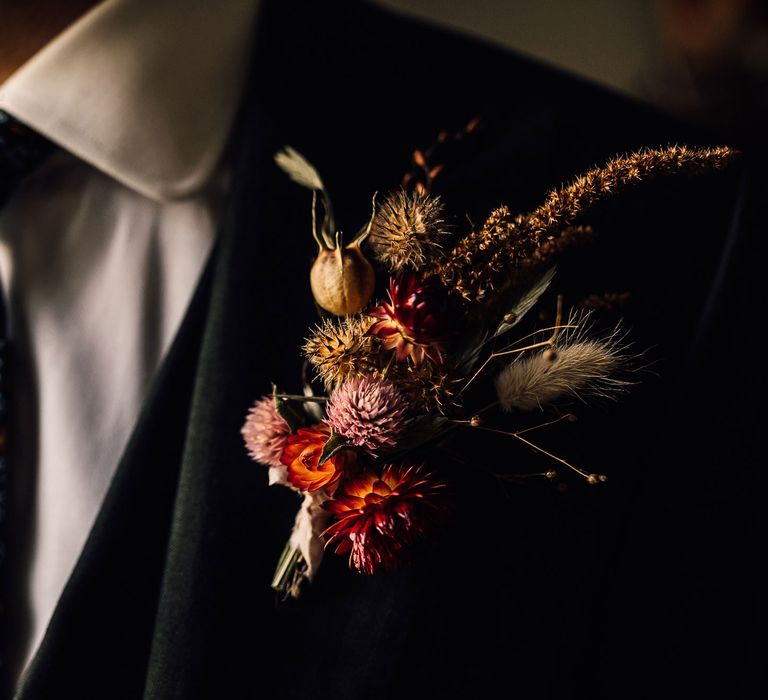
(21, 151)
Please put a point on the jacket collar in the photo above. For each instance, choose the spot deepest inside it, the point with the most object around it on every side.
(144, 90)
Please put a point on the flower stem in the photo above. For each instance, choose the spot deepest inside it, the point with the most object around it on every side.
(301, 397)
(289, 571)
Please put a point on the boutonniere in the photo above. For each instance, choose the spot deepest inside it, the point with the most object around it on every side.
(438, 352)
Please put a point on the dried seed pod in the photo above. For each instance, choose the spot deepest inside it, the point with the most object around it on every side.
(342, 279)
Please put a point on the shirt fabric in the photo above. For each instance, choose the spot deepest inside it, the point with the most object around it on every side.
(101, 249)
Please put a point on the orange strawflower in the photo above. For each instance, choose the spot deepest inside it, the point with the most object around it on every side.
(302, 456)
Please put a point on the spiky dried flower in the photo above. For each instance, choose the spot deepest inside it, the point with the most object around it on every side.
(578, 367)
(428, 387)
(265, 434)
(407, 230)
(380, 515)
(368, 412)
(340, 349)
(483, 261)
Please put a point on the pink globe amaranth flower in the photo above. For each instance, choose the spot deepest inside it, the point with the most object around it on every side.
(265, 433)
(368, 412)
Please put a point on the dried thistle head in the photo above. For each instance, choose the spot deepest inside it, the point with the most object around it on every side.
(407, 230)
(340, 349)
(430, 388)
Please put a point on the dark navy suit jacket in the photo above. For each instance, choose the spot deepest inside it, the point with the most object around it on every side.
(650, 585)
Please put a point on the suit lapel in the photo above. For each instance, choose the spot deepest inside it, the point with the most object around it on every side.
(112, 592)
(185, 543)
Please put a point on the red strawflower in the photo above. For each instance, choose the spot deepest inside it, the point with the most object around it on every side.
(412, 322)
(302, 456)
(379, 514)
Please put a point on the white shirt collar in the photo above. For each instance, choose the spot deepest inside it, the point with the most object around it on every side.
(144, 90)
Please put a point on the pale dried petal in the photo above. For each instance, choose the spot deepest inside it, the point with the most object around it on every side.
(310, 522)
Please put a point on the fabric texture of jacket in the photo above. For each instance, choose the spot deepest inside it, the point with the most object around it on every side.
(649, 583)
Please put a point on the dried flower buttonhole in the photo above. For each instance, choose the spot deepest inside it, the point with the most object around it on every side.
(437, 353)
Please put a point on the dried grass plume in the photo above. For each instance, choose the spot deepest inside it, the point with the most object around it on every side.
(578, 367)
(482, 263)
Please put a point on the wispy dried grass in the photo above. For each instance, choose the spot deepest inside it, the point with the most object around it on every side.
(577, 367)
(299, 169)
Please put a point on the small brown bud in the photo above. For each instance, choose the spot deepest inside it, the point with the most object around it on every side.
(475, 421)
(550, 355)
(603, 478)
(551, 474)
(572, 418)
(418, 158)
(511, 317)
(473, 124)
(592, 479)
(436, 171)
